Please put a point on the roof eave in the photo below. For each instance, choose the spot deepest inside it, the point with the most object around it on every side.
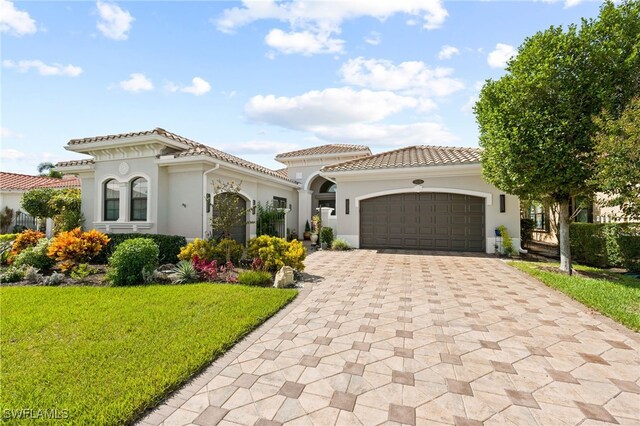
(210, 160)
(464, 168)
(84, 147)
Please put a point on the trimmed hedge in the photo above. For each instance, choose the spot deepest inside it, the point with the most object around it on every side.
(169, 246)
(131, 260)
(606, 244)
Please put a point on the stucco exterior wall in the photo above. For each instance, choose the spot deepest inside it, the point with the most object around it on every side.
(124, 171)
(349, 188)
(182, 204)
(11, 199)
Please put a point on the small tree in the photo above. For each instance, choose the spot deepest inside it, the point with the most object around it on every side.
(36, 203)
(227, 210)
(536, 124)
(618, 148)
(63, 205)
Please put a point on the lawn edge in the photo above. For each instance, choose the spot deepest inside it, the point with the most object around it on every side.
(621, 328)
(172, 401)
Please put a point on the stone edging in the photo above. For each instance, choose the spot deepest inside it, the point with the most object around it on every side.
(159, 414)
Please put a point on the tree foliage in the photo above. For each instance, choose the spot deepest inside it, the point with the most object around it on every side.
(536, 126)
(63, 205)
(48, 169)
(227, 212)
(617, 144)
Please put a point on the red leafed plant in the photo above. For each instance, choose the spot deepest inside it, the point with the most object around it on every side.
(207, 268)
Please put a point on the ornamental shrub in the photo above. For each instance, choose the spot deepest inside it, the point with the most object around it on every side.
(27, 238)
(130, 259)
(169, 246)
(7, 237)
(235, 249)
(256, 278)
(12, 274)
(277, 252)
(35, 256)
(203, 249)
(208, 269)
(326, 235)
(606, 244)
(74, 247)
(340, 245)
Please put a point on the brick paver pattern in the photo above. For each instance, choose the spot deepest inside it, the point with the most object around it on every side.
(425, 338)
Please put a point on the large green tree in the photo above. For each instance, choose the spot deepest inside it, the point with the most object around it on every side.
(618, 149)
(536, 122)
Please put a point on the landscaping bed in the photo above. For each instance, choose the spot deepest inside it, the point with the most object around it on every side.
(613, 294)
(106, 354)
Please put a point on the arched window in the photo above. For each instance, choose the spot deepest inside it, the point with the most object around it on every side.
(328, 187)
(111, 200)
(139, 191)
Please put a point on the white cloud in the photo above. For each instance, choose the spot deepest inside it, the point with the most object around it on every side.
(198, 87)
(567, 3)
(313, 23)
(15, 22)
(114, 22)
(424, 133)
(499, 57)
(347, 115)
(334, 106)
(306, 13)
(17, 161)
(374, 38)
(467, 108)
(137, 82)
(303, 42)
(447, 52)
(42, 68)
(410, 77)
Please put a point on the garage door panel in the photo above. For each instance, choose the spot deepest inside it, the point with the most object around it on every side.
(427, 221)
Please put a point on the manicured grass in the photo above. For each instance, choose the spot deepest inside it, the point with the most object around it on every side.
(107, 354)
(614, 295)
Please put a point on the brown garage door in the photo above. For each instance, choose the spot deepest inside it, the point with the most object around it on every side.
(423, 221)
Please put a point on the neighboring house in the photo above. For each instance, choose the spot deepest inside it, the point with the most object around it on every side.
(581, 209)
(423, 197)
(13, 185)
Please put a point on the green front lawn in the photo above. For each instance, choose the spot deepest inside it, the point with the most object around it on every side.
(614, 295)
(107, 354)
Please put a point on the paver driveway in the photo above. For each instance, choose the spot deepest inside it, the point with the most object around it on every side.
(388, 338)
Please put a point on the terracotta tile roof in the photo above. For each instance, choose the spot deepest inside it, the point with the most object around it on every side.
(232, 159)
(71, 163)
(157, 131)
(195, 149)
(17, 181)
(325, 149)
(412, 156)
(283, 172)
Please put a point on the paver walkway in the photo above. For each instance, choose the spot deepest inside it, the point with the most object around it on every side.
(390, 338)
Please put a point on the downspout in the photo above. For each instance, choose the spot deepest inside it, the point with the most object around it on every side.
(204, 198)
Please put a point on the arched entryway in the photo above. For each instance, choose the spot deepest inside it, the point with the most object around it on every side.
(324, 194)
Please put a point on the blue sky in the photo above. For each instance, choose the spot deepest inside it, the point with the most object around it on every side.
(255, 78)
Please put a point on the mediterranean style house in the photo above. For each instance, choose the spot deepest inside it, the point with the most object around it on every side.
(419, 197)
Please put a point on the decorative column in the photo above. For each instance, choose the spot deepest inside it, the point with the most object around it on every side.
(304, 208)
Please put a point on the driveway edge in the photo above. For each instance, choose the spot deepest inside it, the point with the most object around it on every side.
(160, 413)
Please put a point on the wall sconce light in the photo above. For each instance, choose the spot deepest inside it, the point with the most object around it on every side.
(184, 205)
(253, 206)
(346, 206)
(503, 207)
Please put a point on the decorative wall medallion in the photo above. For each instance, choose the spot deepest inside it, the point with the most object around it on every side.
(123, 168)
